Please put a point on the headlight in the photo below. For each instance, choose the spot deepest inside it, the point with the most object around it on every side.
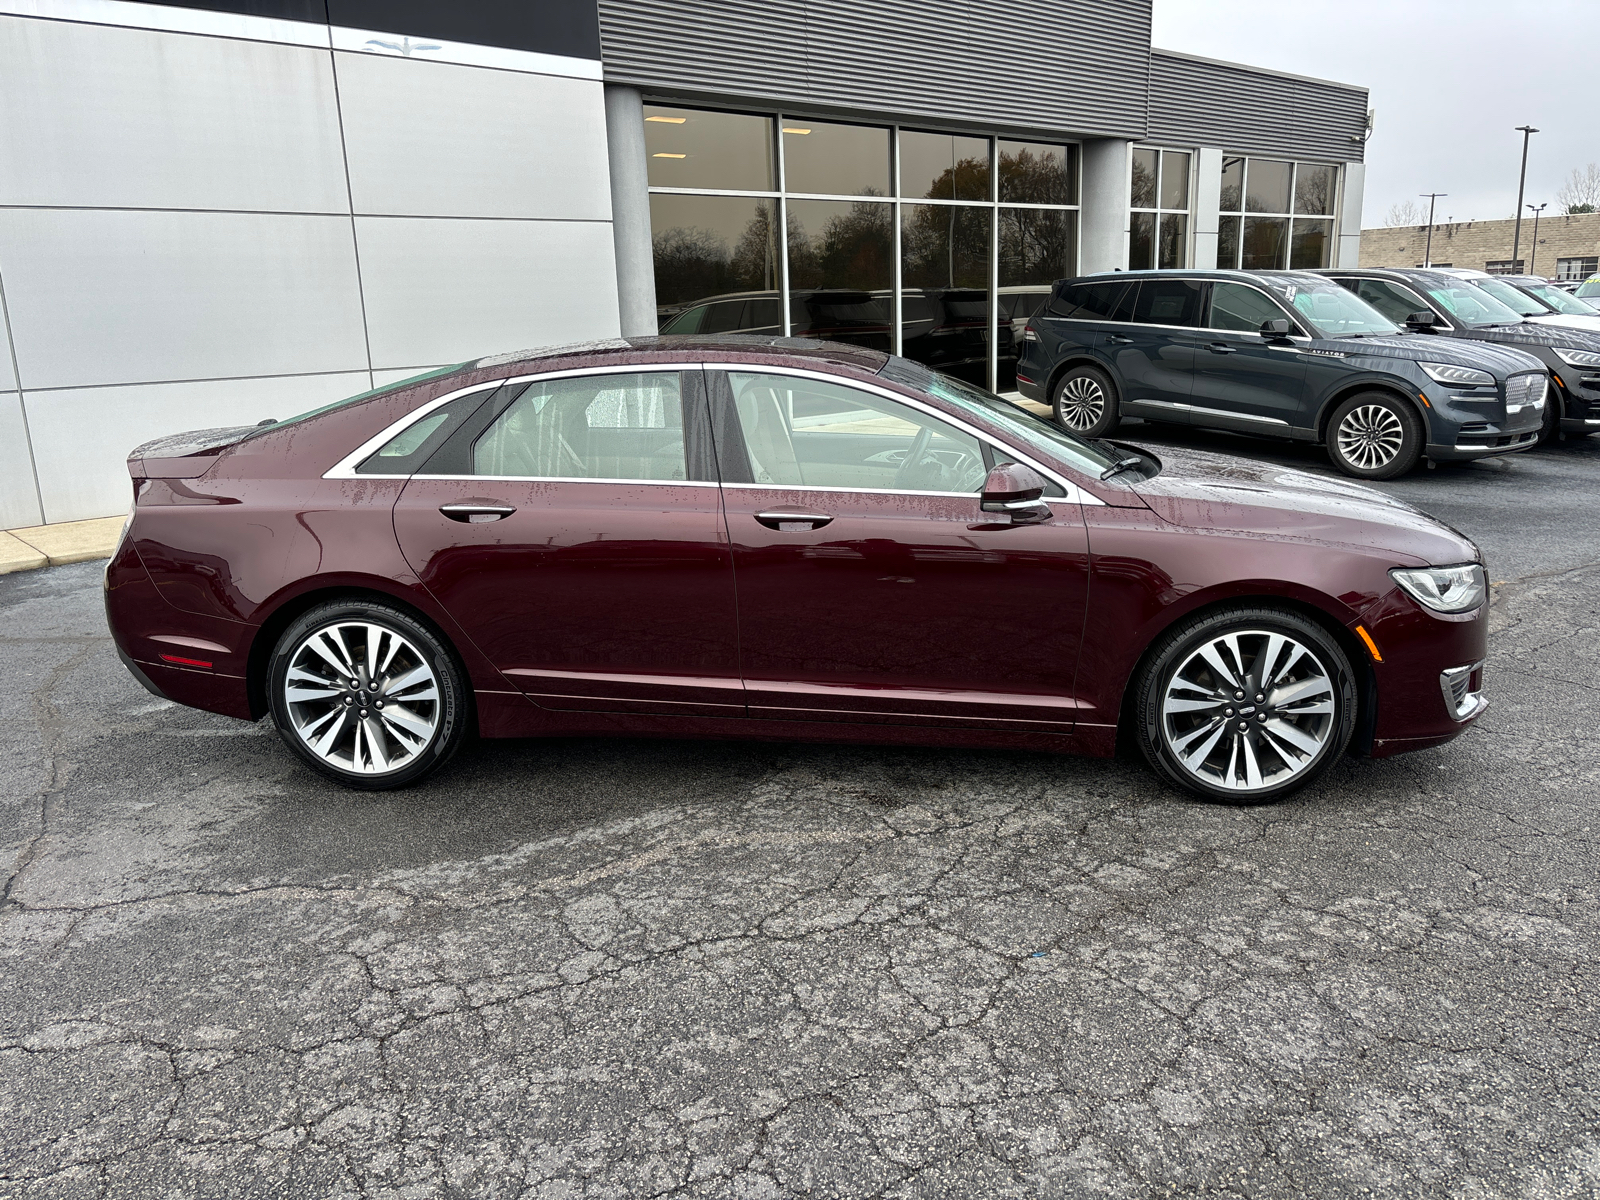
(1578, 358)
(1460, 376)
(1444, 589)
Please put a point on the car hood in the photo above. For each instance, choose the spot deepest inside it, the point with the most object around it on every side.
(1501, 360)
(1570, 321)
(1219, 492)
(1538, 333)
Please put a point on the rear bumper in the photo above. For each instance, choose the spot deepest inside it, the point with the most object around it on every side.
(1031, 390)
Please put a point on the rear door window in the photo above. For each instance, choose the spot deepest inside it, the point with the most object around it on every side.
(1237, 307)
(1168, 302)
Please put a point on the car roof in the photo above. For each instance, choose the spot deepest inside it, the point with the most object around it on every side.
(685, 347)
(1416, 274)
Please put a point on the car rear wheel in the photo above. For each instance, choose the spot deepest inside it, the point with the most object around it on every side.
(1245, 705)
(367, 695)
(1374, 435)
(1085, 401)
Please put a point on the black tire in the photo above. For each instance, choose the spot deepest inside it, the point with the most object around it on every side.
(1281, 758)
(1552, 415)
(417, 677)
(1085, 402)
(1375, 435)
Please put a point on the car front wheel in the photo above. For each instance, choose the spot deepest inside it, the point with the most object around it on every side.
(1085, 401)
(367, 695)
(1374, 435)
(1245, 705)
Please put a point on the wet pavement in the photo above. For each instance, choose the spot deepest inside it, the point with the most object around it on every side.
(632, 968)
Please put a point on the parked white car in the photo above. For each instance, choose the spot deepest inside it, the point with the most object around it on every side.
(1512, 291)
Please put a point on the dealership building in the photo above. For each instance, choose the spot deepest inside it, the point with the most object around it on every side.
(213, 213)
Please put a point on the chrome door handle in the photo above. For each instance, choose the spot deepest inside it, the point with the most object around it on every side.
(1222, 348)
(1116, 339)
(475, 512)
(793, 522)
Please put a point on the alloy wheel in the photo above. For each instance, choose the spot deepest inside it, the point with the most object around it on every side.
(1371, 437)
(1082, 402)
(1249, 710)
(362, 697)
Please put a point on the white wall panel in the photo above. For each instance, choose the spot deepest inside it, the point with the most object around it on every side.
(427, 138)
(19, 502)
(97, 115)
(8, 377)
(81, 437)
(446, 291)
(124, 297)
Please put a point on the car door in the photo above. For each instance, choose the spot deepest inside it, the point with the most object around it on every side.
(1154, 351)
(871, 586)
(573, 527)
(1242, 380)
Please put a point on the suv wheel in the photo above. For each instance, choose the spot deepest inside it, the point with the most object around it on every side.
(1086, 402)
(367, 695)
(1374, 435)
(1552, 416)
(1245, 705)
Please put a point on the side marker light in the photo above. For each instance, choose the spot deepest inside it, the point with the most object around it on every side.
(1366, 637)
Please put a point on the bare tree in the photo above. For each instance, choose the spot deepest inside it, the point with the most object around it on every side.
(1581, 192)
(1407, 212)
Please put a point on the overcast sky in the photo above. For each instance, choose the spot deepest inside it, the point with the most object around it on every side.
(1450, 82)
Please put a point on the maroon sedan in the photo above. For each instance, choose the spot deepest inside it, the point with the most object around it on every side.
(759, 537)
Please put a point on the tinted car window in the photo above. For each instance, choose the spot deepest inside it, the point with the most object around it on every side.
(724, 317)
(1474, 306)
(593, 427)
(1390, 299)
(1514, 299)
(1088, 301)
(1234, 306)
(1168, 302)
(811, 433)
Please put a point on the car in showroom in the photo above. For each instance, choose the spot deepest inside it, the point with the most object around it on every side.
(1429, 302)
(1520, 299)
(759, 538)
(1281, 354)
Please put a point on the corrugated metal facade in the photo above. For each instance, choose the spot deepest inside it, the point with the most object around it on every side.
(1199, 102)
(1063, 66)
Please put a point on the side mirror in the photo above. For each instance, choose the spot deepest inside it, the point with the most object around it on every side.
(1017, 491)
(1275, 329)
(1421, 320)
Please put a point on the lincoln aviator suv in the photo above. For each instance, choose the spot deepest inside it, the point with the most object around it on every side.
(1280, 353)
(1442, 303)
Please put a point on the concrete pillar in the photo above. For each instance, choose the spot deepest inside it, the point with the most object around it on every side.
(1207, 206)
(1349, 252)
(1106, 163)
(630, 211)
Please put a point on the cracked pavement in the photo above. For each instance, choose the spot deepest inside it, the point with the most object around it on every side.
(632, 968)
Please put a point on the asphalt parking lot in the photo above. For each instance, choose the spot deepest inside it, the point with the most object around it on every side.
(588, 968)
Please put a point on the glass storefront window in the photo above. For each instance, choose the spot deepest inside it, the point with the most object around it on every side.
(1267, 186)
(723, 262)
(835, 160)
(1310, 245)
(1313, 190)
(1160, 183)
(1280, 196)
(709, 246)
(1263, 243)
(688, 148)
(1038, 173)
(941, 166)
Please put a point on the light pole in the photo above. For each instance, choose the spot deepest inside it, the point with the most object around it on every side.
(1427, 255)
(1533, 255)
(1516, 238)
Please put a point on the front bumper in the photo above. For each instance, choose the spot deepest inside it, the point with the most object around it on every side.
(1429, 684)
(1472, 446)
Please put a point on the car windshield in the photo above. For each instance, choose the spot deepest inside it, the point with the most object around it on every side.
(1559, 300)
(356, 399)
(1334, 312)
(1087, 457)
(1513, 298)
(1471, 305)
(1589, 289)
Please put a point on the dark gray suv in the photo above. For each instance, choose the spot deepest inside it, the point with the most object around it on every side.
(1438, 303)
(1282, 353)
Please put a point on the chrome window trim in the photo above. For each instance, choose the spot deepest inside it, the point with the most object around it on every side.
(1075, 494)
(345, 467)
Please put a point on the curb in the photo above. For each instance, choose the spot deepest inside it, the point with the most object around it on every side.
(57, 545)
